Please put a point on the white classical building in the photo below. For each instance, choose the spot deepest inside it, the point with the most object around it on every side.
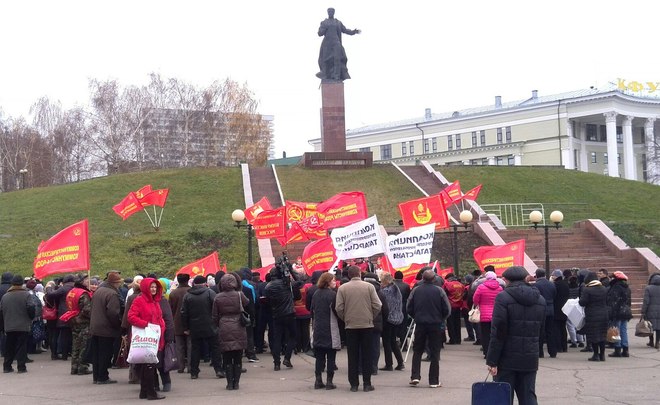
(612, 131)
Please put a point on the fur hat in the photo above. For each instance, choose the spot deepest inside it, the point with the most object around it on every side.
(557, 274)
(515, 273)
(114, 277)
(17, 280)
(199, 280)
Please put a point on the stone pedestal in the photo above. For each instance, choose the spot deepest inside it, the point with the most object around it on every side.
(337, 160)
(333, 123)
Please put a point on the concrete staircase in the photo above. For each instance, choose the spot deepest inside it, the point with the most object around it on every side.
(578, 247)
(263, 184)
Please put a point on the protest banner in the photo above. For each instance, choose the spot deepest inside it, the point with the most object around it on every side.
(502, 256)
(361, 239)
(202, 267)
(318, 255)
(342, 209)
(423, 211)
(270, 224)
(411, 246)
(66, 251)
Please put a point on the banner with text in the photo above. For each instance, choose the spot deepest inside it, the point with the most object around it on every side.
(294, 234)
(451, 194)
(128, 206)
(318, 255)
(411, 246)
(305, 214)
(502, 256)
(252, 212)
(342, 209)
(270, 224)
(67, 251)
(361, 239)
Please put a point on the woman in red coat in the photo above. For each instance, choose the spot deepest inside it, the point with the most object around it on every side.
(145, 311)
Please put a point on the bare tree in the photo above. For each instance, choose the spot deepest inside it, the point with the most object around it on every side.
(18, 142)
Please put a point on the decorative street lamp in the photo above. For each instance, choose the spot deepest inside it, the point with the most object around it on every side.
(23, 173)
(238, 216)
(535, 217)
(466, 217)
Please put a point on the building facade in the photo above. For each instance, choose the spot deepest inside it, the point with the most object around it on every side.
(613, 132)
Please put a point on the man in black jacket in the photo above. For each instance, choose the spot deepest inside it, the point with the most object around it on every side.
(198, 324)
(16, 313)
(518, 320)
(549, 292)
(280, 295)
(562, 288)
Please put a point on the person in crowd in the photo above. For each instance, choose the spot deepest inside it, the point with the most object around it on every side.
(651, 307)
(57, 298)
(593, 299)
(17, 311)
(470, 329)
(168, 318)
(484, 298)
(603, 277)
(549, 292)
(93, 284)
(392, 297)
(560, 318)
(126, 329)
(249, 289)
(5, 285)
(379, 321)
(183, 341)
(37, 330)
(197, 322)
(105, 326)
(136, 282)
(303, 319)
(516, 329)
(264, 318)
(144, 312)
(326, 330)
(78, 315)
(358, 305)
(429, 306)
(618, 300)
(455, 292)
(477, 278)
(404, 288)
(577, 339)
(228, 307)
(280, 294)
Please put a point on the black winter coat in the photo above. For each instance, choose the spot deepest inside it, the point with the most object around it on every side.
(651, 305)
(281, 296)
(517, 324)
(563, 292)
(548, 292)
(325, 325)
(196, 312)
(168, 318)
(593, 299)
(618, 299)
(58, 297)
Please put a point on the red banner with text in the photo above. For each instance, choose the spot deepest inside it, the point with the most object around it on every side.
(502, 256)
(424, 211)
(342, 209)
(318, 255)
(128, 206)
(65, 252)
(253, 212)
(270, 224)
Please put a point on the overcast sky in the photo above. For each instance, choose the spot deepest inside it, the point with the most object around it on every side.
(411, 54)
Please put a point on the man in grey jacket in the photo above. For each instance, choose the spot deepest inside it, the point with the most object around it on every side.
(16, 313)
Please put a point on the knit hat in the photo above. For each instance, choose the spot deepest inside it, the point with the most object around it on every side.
(17, 280)
(31, 284)
(114, 277)
(199, 280)
(490, 275)
(620, 275)
(183, 278)
(515, 273)
(557, 274)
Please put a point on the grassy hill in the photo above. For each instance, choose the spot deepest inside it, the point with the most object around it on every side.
(197, 217)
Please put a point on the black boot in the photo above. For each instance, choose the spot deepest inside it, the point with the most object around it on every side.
(148, 381)
(229, 375)
(617, 352)
(329, 385)
(595, 356)
(601, 353)
(625, 353)
(318, 384)
(237, 374)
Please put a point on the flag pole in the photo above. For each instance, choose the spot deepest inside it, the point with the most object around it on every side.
(161, 215)
(149, 216)
(155, 215)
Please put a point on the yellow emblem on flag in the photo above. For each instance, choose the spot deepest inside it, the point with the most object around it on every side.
(423, 214)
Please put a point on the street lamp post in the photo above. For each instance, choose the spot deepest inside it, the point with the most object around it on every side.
(535, 217)
(465, 217)
(23, 173)
(238, 216)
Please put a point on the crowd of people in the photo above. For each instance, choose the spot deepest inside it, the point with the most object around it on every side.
(225, 318)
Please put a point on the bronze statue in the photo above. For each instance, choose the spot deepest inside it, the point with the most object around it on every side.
(332, 57)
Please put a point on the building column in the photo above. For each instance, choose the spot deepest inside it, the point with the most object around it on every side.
(567, 153)
(612, 150)
(652, 174)
(629, 164)
(584, 158)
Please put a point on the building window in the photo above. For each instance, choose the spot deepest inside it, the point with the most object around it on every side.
(474, 162)
(575, 159)
(450, 144)
(499, 135)
(618, 158)
(403, 149)
(508, 134)
(365, 150)
(499, 161)
(603, 133)
(605, 158)
(592, 132)
(593, 157)
(411, 147)
(434, 144)
(482, 137)
(574, 126)
(484, 161)
(511, 161)
(458, 141)
(386, 151)
(474, 138)
(619, 137)
(426, 146)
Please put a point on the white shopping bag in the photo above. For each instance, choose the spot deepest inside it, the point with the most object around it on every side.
(575, 312)
(144, 345)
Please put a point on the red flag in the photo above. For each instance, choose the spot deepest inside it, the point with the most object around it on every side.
(128, 206)
(263, 271)
(306, 215)
(318, 255)
(155, 197)
(423, 211)
(253, 212)
(143, 191)
(294, 234)
(67, 251)
(472, 194)
(409, 272)
(342, 209)
(270, 224)
(312, 227)
(501, 256)
(202, 267)
(451, 193)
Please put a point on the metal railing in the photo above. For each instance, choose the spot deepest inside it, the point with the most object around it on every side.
(512, 215)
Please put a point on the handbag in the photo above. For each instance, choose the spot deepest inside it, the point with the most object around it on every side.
(613, 334)
(38, 332)
(122, 358)
(643, 328)
(474, 316)
(49, 313)
(170, 361)
(144, 345)
(246, 320)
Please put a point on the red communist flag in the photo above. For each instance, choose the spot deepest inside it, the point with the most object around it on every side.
(270, 224)
(143, 191)
(451, 193)
(294, 234)
(472, 194)
(318, 255)
(155, 197)
(306, 215)
(128, 206)
(423, 211)
(342, 209)
(202, 267)
(410, 272)
(502, 256)
(252, 212)
(67, 251)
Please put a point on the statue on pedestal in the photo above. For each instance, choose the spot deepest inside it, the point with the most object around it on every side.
(332, 57)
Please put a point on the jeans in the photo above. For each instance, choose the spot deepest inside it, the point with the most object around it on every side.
(358, 346)
(623, 332)
(431, 335)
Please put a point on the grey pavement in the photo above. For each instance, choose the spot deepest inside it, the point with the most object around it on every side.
(567, 379)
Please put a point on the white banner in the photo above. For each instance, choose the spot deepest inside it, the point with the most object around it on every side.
(411, 246)
(361, 239)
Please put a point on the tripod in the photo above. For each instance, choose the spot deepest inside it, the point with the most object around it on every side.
(410, 337)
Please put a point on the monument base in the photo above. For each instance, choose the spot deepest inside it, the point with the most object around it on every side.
(337, 160)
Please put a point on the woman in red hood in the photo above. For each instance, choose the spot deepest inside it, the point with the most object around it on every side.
(144, 311)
